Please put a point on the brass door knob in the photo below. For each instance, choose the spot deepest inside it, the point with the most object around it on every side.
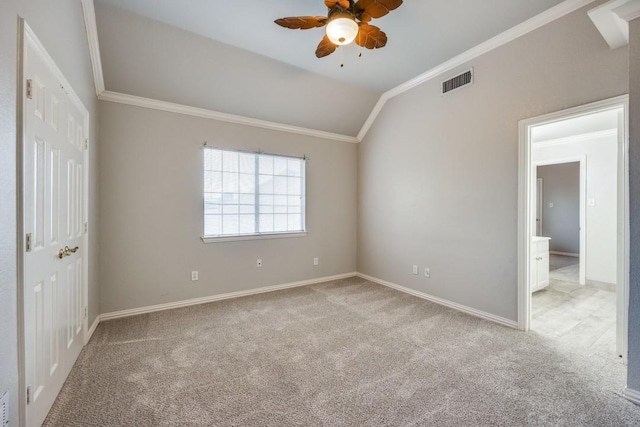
(66, 251)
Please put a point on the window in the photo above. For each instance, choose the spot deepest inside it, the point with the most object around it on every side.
(250, 194)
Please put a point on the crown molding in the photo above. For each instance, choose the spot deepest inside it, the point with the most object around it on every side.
(532, 24)
(89, 13)
(629, 11)
(171, 107)
(501, 39)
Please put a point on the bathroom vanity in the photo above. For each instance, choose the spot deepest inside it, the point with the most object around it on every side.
(539, 278)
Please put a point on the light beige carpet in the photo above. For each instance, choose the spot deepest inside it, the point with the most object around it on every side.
(343, 353)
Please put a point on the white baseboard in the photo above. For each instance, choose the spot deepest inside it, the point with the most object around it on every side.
(93, 327)
(632, 395)
(472, 311)
(565, 254)
(213, 298)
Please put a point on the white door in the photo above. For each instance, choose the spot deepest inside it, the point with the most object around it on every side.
(53, 220)
(539, 206)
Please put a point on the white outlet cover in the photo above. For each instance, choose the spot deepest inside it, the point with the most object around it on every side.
(415, 269)
(316, 261)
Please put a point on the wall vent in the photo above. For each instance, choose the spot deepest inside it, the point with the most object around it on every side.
(458, 81)
(4, 410)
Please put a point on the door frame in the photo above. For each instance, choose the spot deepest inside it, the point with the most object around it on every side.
(525, 212)
(28, 38)
(582, 160)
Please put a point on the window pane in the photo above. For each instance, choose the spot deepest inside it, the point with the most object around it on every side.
(212, 182)
(280, 166)
(266, 200)
(266, 209)
(247, 199)
(247, 209)
(280, 223)
(247, 183)
(212, 225)
(294, 186)
(280, 209)
(294, 201)
(293, 167)
(280, 185)
(230, 198)
(247, 224)
(213, 160)
(230, 224)
(230, 161)
(248, 163)
(212, 208)
(266, 223)
(266, 165)
(280, 200)
(266, 184)
(213, 198)
(229, 182)
(295, 210)
(230, 209)
(295, 222)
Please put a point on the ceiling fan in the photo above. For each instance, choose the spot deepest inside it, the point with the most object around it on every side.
(347, 21)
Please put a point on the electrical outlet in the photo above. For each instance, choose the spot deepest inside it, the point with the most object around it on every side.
(415, 269)
(427, 272)
(259, 263)
(316, 261)
(194, 276)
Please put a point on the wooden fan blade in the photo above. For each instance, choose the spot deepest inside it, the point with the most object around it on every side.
(325, 47)
(302, 22)
(371, 37)
(368, 9)
(330, 3)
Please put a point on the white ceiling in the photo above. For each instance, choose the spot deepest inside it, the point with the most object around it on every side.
(422, 33)
(595, 122)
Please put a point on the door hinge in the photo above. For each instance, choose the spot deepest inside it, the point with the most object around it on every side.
(86, 143)
(29, 89)
(28, 395)
(86, 227)
(86, 312)
(28, 242)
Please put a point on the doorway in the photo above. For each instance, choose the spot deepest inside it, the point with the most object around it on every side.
(603, 219)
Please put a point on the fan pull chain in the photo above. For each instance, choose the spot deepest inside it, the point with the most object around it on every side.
(341, 57)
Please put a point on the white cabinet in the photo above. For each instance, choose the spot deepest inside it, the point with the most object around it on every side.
(539, 278)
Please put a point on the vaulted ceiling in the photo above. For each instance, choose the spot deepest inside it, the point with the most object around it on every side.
(230, 57)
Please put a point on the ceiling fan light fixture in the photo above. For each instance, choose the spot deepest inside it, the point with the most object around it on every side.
(342, 30)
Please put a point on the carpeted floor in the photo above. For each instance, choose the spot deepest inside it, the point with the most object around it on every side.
(343, 353)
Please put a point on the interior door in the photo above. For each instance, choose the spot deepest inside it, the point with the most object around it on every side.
(53, 220)
(539, 205)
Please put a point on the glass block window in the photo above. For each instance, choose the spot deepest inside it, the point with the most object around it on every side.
(252, 194)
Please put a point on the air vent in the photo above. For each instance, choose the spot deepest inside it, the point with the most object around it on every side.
(458, 81)
(4, 410)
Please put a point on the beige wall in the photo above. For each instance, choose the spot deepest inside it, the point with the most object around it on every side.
(438, 175)
(151, 184)
(60, 27)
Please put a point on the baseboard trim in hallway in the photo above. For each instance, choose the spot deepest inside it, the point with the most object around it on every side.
(220, 297)
(463, 308)
(632, 395)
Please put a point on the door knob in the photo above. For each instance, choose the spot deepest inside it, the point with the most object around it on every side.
(66, 251)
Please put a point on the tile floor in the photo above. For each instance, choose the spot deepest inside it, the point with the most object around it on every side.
(581, 315)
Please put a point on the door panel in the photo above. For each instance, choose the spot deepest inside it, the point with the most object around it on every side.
(53, 153)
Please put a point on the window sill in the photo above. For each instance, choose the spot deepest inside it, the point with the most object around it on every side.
(208, 239)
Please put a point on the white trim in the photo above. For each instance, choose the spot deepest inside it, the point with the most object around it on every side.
(501, 39)
(213, 298)
(463, 308)
(629, 11)
(565, 254)
(524, 214)
(171, 107)
(93, 328)
(210, 239)
(577, 138)
(631, 395)
(613, 29)
(89, 13)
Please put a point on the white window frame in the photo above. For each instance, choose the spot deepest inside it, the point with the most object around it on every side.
(257, 235)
